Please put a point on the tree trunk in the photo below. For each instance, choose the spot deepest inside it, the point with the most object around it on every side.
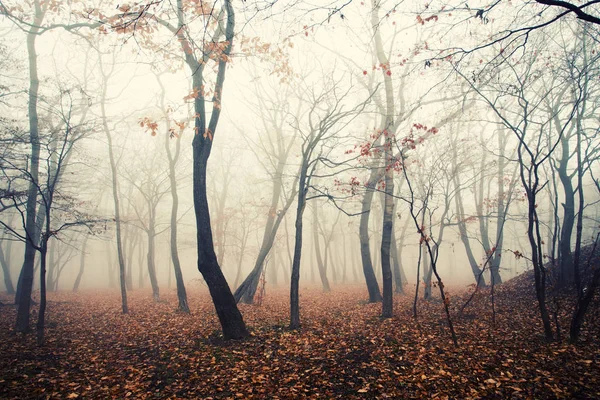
(182, 304)
(115, 193)
(295, 280)
(427, 274)
(26, 280)
(81, 265)
(388, 209)
(399, 276)
(231, 320)
(568, 220)
(245, 292)
(317, 245)
(41, 322)
(10, 289)
(365, 249)
(151, 263)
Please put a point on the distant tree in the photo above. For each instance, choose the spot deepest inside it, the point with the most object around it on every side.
(272, 151)
(517, 98)
(328, 114)
(151, 186)
(174, 134)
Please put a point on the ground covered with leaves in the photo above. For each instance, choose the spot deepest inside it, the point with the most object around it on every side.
(344, 350)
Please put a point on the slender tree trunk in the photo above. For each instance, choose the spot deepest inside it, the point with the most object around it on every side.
(295, 280)
(399, 276)
(150, 257)
(317, 246)
(81, 265)
(10, 289)
(182, 304)
(115, 193)
(285, 267)
(245, 292)
(41, 322)
(427, 274)
(241, 259)
(51, 266)
(131, 242)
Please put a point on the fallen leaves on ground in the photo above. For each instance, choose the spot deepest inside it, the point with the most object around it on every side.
(343, 350)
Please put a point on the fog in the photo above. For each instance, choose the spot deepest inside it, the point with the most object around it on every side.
(299, 199)
(265, 103)
(463, 140)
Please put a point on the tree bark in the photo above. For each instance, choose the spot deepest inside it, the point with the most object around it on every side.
(31, 230)
(365, 249)
(388, 209)
(231, 320)
(295, 279)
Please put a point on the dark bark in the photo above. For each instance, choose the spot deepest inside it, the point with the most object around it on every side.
(231, 320)
(41, 322)
(31, 230)
(295, 279)
(566, 269)
(365, 250)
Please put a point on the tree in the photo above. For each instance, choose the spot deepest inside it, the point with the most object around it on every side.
(328, 114)
(275, 151)
(151, 187)
(517, 98)
(173, 158)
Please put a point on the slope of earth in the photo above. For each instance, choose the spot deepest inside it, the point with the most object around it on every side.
(344, 350)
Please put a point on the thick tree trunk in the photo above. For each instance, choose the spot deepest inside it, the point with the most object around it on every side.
(568, 220)
(32, 231)
(230, 317)
(388, 209)
(365, 250)
(231, 320)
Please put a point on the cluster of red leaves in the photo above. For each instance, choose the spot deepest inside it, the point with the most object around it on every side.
(344, 350)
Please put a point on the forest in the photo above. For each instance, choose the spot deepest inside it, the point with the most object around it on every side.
(279, 199)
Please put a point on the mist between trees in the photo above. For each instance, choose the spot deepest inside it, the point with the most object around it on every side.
(236, 147)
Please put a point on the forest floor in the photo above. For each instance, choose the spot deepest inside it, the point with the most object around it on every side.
(344, 350)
